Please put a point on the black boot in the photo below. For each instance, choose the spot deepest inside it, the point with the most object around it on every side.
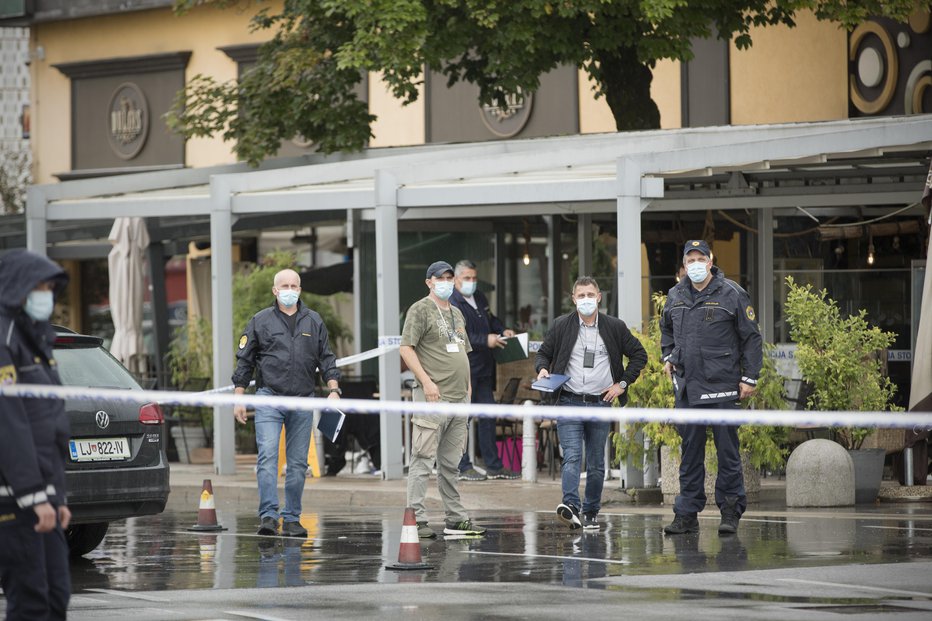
(730, 516)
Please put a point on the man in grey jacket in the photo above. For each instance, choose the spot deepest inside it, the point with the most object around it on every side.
(288, 344)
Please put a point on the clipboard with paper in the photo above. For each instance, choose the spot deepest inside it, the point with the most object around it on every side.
(550, 384)
(515, 349)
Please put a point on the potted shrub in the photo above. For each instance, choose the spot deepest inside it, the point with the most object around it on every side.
(842, 360)
(762, 446)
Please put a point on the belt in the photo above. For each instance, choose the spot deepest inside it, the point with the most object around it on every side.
(572, 396)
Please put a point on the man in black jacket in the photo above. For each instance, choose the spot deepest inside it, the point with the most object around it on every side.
(486, 334)
(33, 445)
(712, 350)
(588, 346)
(289, 344)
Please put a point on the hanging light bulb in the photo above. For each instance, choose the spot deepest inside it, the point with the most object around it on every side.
(870, 253)
(527, 243)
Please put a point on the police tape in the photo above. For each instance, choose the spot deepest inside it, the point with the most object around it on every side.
(787, 418)
(340, 362)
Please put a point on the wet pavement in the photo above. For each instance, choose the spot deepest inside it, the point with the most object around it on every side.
(874, 560)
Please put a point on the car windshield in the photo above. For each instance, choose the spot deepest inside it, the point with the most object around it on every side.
(92, 367)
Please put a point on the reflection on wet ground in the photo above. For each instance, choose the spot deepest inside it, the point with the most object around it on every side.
(157, 553)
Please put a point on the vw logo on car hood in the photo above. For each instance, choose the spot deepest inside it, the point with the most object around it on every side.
(103, 419)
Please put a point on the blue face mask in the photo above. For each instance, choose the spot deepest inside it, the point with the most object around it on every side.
(39, 305)
(468, 288)
(443, 289)
(586, 306)
(288, 298)
(697, 272)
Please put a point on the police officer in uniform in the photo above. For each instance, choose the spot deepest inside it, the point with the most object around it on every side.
(33, 445)
(712, 350)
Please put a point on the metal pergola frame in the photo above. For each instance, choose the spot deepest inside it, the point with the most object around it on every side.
(624, 173)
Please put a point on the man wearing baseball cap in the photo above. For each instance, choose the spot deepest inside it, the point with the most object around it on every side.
(712, 350)
(434, 345)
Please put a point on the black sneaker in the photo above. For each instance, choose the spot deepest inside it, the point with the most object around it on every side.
(466, 527)
(730, 517)
(569, 515)
(268, 527)
(293, 529)
(682, 524)
(424, 531)
(591, 521)
(504, 473)
(471, 475)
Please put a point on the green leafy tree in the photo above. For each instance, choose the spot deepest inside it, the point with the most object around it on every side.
(765, 444)
(840, 357)
(318, 50)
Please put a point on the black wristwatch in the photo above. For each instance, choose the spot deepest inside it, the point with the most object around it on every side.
(336, 390)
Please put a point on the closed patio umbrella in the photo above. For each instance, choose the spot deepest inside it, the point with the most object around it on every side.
(130, 240)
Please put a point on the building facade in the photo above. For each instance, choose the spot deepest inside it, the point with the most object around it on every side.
(104, 74)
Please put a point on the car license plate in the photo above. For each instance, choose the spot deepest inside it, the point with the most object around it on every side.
(109, 449)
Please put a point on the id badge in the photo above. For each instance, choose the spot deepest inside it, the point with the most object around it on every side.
(588, 359)
(453, 347)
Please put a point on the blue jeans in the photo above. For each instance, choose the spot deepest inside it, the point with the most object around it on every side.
(730, 479)
(572, 432)
(485, 428)
(297, 425)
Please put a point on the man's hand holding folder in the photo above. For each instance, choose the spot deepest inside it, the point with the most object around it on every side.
(549, 383)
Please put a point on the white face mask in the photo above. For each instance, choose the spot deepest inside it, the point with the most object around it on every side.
(468, 288)
(288, 298)
(697, 271)
(39, 305)
(443, 289)
(586, 306)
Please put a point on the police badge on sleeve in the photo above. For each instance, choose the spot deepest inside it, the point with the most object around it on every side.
(7, 375)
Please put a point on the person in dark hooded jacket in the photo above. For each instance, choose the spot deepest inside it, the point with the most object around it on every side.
(33, 445)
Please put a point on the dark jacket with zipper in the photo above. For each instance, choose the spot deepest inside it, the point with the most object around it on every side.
(712, 339)
(288, 362)
(480, 323)
(554, 353)
(33, 432)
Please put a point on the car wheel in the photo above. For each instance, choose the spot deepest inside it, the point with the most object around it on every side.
(83, 538)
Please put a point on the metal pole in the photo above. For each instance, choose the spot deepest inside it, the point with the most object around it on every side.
(529, 447)
(908, 466)
(221, 274)
(387, 285)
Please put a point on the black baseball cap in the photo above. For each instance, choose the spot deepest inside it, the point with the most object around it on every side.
(697, 244)
(439, 268)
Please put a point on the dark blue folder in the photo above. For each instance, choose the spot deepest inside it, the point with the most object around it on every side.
(330, 423)
(550, 384)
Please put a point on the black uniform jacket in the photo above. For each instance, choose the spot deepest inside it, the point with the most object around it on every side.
(554, 353)
(713, 340)
(288, 361)
(33, 432)
(480, 323)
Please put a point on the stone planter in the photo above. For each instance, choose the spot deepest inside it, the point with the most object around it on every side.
(670, 477)
(187, 440)
(868, 472)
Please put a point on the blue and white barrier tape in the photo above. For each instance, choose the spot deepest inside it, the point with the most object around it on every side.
(789, 418)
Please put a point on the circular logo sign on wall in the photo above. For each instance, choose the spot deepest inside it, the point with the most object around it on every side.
(508, 121)
(128, 124)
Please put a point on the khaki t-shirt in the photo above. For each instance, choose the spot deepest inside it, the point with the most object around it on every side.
(432, 332)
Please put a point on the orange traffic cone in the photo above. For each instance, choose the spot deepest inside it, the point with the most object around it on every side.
(206, 512)
(409, 552)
